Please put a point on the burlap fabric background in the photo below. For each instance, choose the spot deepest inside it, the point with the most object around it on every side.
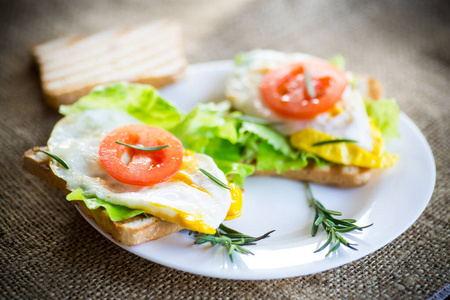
(49, 251)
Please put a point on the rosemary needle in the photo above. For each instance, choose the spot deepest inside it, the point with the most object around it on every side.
(309, 84)
(214, 179)
(332, 226)
(143, 148)
(55, 157)
(334, 141)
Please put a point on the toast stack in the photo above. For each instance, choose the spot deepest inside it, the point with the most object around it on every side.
(71, 66)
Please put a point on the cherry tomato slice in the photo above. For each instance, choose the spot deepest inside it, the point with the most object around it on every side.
(139, 167)
(284, 89)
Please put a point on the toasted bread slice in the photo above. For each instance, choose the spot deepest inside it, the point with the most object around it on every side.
(71, 66)
(134, 231)
(337, 175)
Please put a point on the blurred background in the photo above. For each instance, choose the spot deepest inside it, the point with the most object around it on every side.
(403, 43)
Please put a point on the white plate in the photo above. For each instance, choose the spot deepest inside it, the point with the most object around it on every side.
(392, 201)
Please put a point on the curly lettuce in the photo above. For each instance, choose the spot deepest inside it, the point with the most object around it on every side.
(386, 114)
(139, 100)
(338, 61)
(238, 146)
(115, 212)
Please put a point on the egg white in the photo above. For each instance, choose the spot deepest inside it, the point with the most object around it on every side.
(77, 138)
(243, 90)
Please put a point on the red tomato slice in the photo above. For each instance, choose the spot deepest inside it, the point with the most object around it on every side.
(139, 167)
(284, 89)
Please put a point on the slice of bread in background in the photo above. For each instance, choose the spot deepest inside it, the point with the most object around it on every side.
(71, 66)
(130, 232)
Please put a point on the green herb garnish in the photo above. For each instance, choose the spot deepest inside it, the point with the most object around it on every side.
(331, 225)
(254, 120)
(334, 141)
(309, 84)
(214, 179)
(143, 148)
(231, 239)
(55, 157)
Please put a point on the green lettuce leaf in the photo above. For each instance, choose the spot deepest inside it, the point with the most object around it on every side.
(235, 172)
(386, 114)
(243, 58)
(338, 61)
(237, 145)
(206, 128)
(115, 212)
(267, 134)
(139, 100)
(268, 159)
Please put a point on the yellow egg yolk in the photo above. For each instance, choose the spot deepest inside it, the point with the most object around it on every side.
(336, 110)
(183, 219)
(189, 221)
(236, 202)
(188, 165)
(344, 153)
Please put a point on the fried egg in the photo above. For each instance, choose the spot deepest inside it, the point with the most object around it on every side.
(189, 198)
(348, 119)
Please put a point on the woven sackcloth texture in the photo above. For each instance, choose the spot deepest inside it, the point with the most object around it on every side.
(48, 251)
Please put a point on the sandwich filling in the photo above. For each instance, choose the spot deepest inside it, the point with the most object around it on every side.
(311, 101)
(186, 196)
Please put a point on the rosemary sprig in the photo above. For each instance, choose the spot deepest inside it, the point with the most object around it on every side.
(309, 84)
(55, 157)
(254, 120)
(334, 141)
(143, 148)
(332, 226)
(214, 179)
(229, 238)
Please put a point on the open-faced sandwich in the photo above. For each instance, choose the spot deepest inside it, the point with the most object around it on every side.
(113, 156)
(296, 116)
(121, 152)
(320, 108)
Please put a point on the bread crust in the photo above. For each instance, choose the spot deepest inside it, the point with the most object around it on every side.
(375, 88)
(130, 232)
(341, 176)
